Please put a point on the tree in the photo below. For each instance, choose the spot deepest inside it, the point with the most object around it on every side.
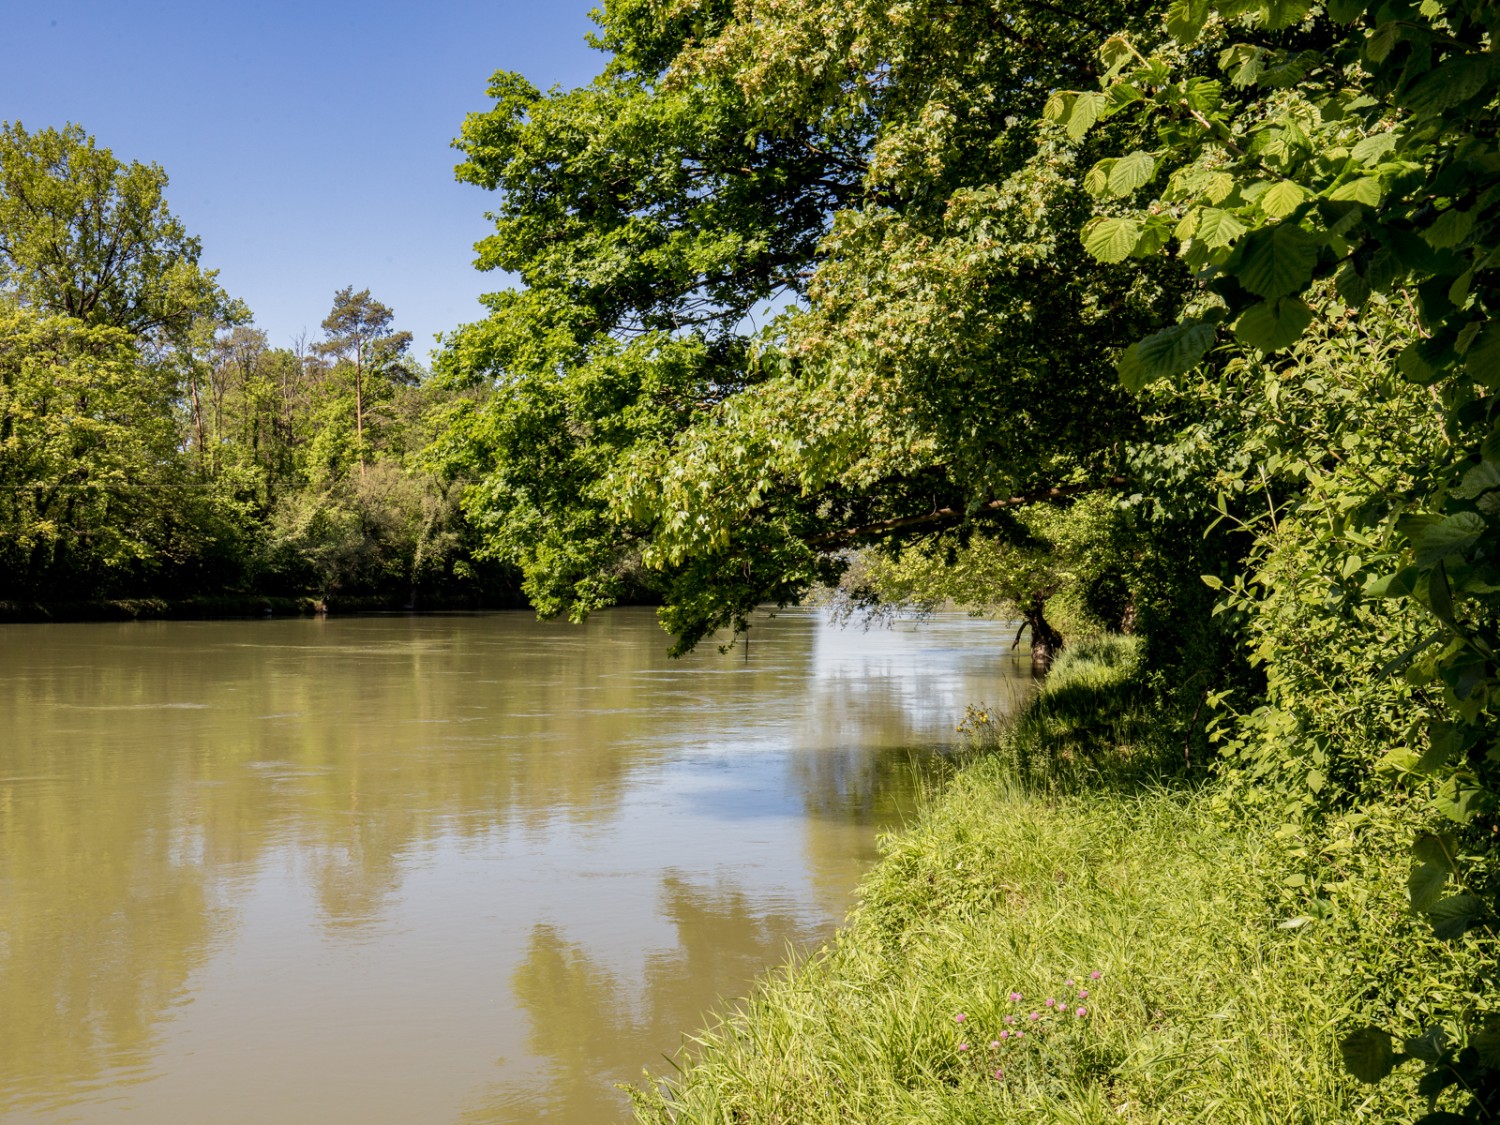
(358, 335)
(946, 350)
(85, 236)
(89, 487)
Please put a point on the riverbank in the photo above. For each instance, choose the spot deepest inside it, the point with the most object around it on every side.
(1073, 932)
(232, 606)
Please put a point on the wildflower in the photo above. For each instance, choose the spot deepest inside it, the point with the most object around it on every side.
(1051, 1003)
(965, 1046)
(1095, 975)
(1015, 997)
(1070, 984)
(1010, 1019)
(1083, 994)
(1036, 1016)
(1020, 1035)
(960, 1018)
(1083, 1011)
(999, 1076)
(995, 1043)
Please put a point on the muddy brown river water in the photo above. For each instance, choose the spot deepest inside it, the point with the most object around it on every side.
(447, 869)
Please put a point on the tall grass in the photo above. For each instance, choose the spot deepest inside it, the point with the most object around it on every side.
(1062, 853)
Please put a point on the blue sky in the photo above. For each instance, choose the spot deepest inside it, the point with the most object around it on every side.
(307, 143)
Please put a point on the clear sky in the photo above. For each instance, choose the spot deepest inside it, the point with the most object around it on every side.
(307, 143)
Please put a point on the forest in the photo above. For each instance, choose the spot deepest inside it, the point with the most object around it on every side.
(155, 444)
(1163, 328)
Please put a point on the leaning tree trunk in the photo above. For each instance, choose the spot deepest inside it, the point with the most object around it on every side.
(1046, 642)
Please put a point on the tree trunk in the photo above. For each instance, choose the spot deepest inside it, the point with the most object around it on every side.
(1046, 642)
(359, 415)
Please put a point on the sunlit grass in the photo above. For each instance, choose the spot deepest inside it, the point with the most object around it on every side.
(1215, 1001)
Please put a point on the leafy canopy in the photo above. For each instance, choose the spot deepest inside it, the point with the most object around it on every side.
(85, 236)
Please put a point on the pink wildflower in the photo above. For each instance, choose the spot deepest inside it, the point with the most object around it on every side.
(963, 1046)
(1051, 1003)
(1095, 975)
(1015, 997)
(1010, 1019)
(1083, 994)
(1083, 1011)
(1070, 983)
(1036, 1015)
(999, 1076)
(960, 1018)
(995, 1043)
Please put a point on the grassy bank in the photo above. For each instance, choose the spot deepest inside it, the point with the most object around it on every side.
(1067, 849)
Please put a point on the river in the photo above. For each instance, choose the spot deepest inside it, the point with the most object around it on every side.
(469, 868)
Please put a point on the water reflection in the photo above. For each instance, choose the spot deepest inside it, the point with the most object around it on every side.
(430, 869)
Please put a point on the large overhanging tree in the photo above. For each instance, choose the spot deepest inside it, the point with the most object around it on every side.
(794, 277)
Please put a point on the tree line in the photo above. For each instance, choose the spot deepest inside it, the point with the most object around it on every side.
(153, 441)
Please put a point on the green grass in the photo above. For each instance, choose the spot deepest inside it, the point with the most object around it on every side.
(1063, 852)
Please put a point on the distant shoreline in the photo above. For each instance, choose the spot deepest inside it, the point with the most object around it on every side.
(25, 612)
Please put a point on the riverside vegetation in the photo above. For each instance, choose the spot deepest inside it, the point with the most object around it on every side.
(1163, 321)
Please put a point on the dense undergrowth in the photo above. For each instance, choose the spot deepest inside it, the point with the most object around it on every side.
(1079, 929)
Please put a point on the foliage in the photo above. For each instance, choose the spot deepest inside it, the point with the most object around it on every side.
(89, 489)
(85, 236)
(1353, 145)
(944, 350)
(153, 441)
(359, 339)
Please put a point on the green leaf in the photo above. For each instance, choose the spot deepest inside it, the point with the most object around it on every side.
(1440, 596)
(1185, 19)
(1449, 536)
(1096, 180)
(1382, 41)
(1482, 357)
(1430, 872)
(1131, 172)
(1429, 1046)
(1273, 325)
(1116, 52)
(1459, 799)
(1352, 288)
(1478, 480)
(1075, 112)
(1111, 240)
(1444, 743)
(1450, 229)
(1166, 353)
(1413, 362)
(1364, 189)
(1345, 11)
(1456, 915)
(1282, 199)
(1217, 227)
(1368, 1054)
(1373, 147)
(1398, 585)
(1486, 1043)
(1243, 63)
(1279, 14)
(1277, 261)
(1455, 80)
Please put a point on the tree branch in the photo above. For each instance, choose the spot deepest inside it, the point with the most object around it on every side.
(941, 516)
